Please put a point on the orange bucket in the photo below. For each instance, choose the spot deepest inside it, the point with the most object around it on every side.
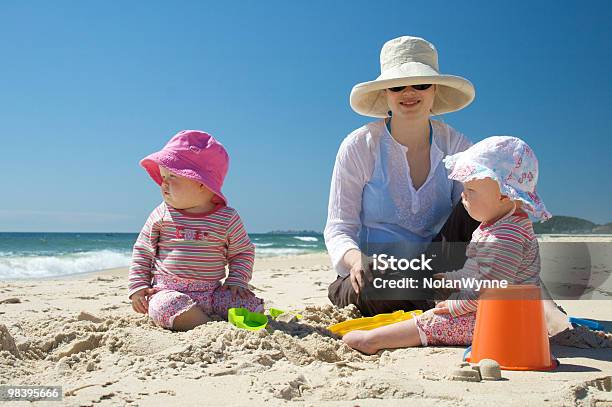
(511, 329)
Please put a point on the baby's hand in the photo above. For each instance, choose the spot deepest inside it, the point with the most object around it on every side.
(237, 291)
(441, 308)
(140, 300)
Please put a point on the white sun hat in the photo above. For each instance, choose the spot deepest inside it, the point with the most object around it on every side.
(406, 61)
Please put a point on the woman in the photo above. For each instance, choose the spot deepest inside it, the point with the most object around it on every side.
(390, 192)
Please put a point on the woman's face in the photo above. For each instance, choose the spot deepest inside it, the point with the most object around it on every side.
(411, 103)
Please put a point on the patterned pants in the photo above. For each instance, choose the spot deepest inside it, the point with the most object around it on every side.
(176, 295)
(444, 329)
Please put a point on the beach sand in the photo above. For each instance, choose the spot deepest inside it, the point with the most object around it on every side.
(81, 333)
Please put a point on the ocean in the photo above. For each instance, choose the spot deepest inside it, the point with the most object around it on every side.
(36, 255)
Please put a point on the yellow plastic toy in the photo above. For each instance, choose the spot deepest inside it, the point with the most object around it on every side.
(365, 324)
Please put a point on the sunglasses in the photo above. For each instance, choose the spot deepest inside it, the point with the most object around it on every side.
(416, 87)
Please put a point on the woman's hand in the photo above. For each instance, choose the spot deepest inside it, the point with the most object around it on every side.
(140, 300)
(441, 308)
(357, 270)
(443, 293)
(237, 291)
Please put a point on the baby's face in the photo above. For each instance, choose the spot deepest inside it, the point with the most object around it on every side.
(483, 200)
(181, 192)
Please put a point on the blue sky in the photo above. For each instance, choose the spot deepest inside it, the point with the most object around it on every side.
(89, 88)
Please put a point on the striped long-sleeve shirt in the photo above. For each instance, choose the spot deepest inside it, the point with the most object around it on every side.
(505, 250)
(194, 246)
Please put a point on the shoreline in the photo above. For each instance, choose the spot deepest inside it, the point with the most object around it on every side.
(116, 270)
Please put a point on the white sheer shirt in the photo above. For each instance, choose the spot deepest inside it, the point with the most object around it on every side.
(353, 169)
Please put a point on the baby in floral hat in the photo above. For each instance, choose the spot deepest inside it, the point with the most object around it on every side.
(181, 253)
(499, 176)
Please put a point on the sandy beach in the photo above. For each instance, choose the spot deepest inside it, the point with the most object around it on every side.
(81, 333)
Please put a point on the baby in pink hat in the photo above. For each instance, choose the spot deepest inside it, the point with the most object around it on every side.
(499, 176)
(181, 253)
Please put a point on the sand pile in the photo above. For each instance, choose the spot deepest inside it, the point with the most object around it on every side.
(300, 343)
(591, 392)
(81, 343)
(583, 337)
(7, 343)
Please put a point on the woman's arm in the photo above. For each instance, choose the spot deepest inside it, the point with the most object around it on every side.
(459, 143)
(353, 167)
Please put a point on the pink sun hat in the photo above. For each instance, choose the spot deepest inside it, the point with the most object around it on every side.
(192, 154)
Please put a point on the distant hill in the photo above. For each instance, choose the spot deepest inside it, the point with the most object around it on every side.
(607, 228)
(569, 224)
(557, 224)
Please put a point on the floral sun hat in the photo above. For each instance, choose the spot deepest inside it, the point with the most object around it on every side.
(507, 160)
(192, 154)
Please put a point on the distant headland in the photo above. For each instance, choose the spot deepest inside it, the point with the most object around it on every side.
(569, 224)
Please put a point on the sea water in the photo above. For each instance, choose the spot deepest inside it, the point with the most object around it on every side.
(38, 255)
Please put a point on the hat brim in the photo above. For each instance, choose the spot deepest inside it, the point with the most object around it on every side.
(463, 170)
(453, 93)
(177, 166)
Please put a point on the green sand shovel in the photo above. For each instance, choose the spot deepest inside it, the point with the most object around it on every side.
(245, 319)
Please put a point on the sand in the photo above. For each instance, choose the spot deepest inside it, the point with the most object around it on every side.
(81, 333)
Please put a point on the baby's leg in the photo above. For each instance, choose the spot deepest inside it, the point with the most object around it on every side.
(175, 310)
(399, 335)
(444, 329)
(189, 319)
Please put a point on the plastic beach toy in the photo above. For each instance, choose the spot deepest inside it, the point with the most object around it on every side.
(365, 324)
(245, 319)
(275, 312)
(511, 329)
(587, 322)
